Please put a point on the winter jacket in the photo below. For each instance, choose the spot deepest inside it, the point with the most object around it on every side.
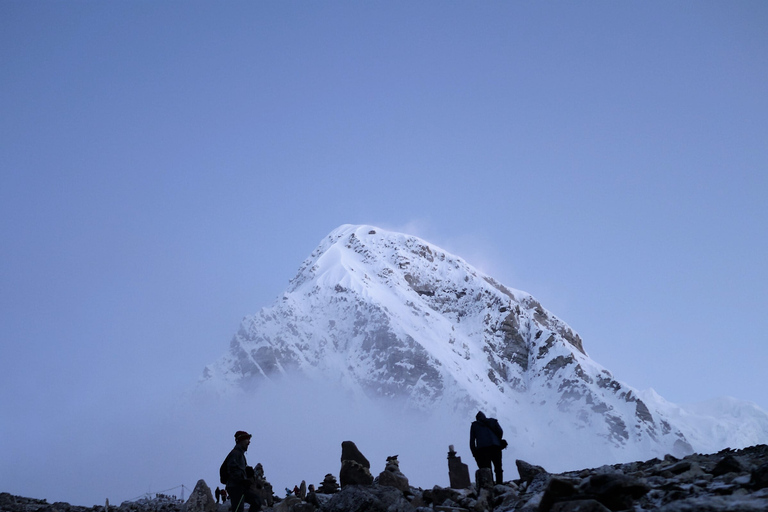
(236, 464)
(484, 432)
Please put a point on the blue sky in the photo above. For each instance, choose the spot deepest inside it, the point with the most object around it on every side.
(165, 168)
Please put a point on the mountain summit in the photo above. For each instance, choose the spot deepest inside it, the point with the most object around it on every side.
(388, 315)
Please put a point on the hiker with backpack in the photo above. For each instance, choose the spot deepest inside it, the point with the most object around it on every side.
(234, 475)
(486, 443)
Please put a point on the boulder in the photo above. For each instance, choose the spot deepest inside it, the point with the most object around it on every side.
(293, 504)
(728, 464)
(354, 473)
(616, 491)
(528, 471)
(557, 490)
(759, 477)
(484, 479)
(349, 451)
(439, 495)
(355, 468)
(372, 498)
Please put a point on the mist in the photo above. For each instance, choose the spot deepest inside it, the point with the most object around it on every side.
(298, 426)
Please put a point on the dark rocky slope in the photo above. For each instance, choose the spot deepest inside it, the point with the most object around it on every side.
(730, 480)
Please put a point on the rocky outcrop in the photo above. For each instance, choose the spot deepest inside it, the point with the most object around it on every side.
(201, 499)
(355, 468)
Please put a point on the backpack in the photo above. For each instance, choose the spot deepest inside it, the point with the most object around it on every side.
(223, 473)
(493, 425)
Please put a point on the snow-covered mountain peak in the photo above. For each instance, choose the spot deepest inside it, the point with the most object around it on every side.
(389, 315)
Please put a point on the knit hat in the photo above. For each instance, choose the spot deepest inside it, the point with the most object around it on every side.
(241, 435)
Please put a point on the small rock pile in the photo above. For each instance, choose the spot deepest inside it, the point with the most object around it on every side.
(329, 485)
(728, 481)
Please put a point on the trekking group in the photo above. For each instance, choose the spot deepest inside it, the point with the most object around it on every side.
(485, 442)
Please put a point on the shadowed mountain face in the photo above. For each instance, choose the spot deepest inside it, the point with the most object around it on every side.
(387, 315)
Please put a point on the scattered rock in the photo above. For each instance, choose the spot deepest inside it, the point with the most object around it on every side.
(729, 481)
(370, 498)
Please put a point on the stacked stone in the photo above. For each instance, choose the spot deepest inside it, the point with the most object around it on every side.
(458, 472)
(329, 485)
(262, 487)
(393, 477)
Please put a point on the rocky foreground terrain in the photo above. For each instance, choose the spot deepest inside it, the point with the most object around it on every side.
(730, 480)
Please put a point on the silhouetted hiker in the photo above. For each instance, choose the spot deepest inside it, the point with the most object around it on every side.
(485, 442)
(234, 472)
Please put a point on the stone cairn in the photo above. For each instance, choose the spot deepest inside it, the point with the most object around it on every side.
(261, 487)
(329, 485)
(392, 476)
(458, 472)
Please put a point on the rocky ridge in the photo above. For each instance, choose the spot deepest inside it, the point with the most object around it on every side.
(730, 480)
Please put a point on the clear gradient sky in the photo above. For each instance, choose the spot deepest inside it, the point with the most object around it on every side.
(165, 167)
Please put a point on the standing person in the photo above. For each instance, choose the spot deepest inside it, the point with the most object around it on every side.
(234, 469)
(485, 442)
